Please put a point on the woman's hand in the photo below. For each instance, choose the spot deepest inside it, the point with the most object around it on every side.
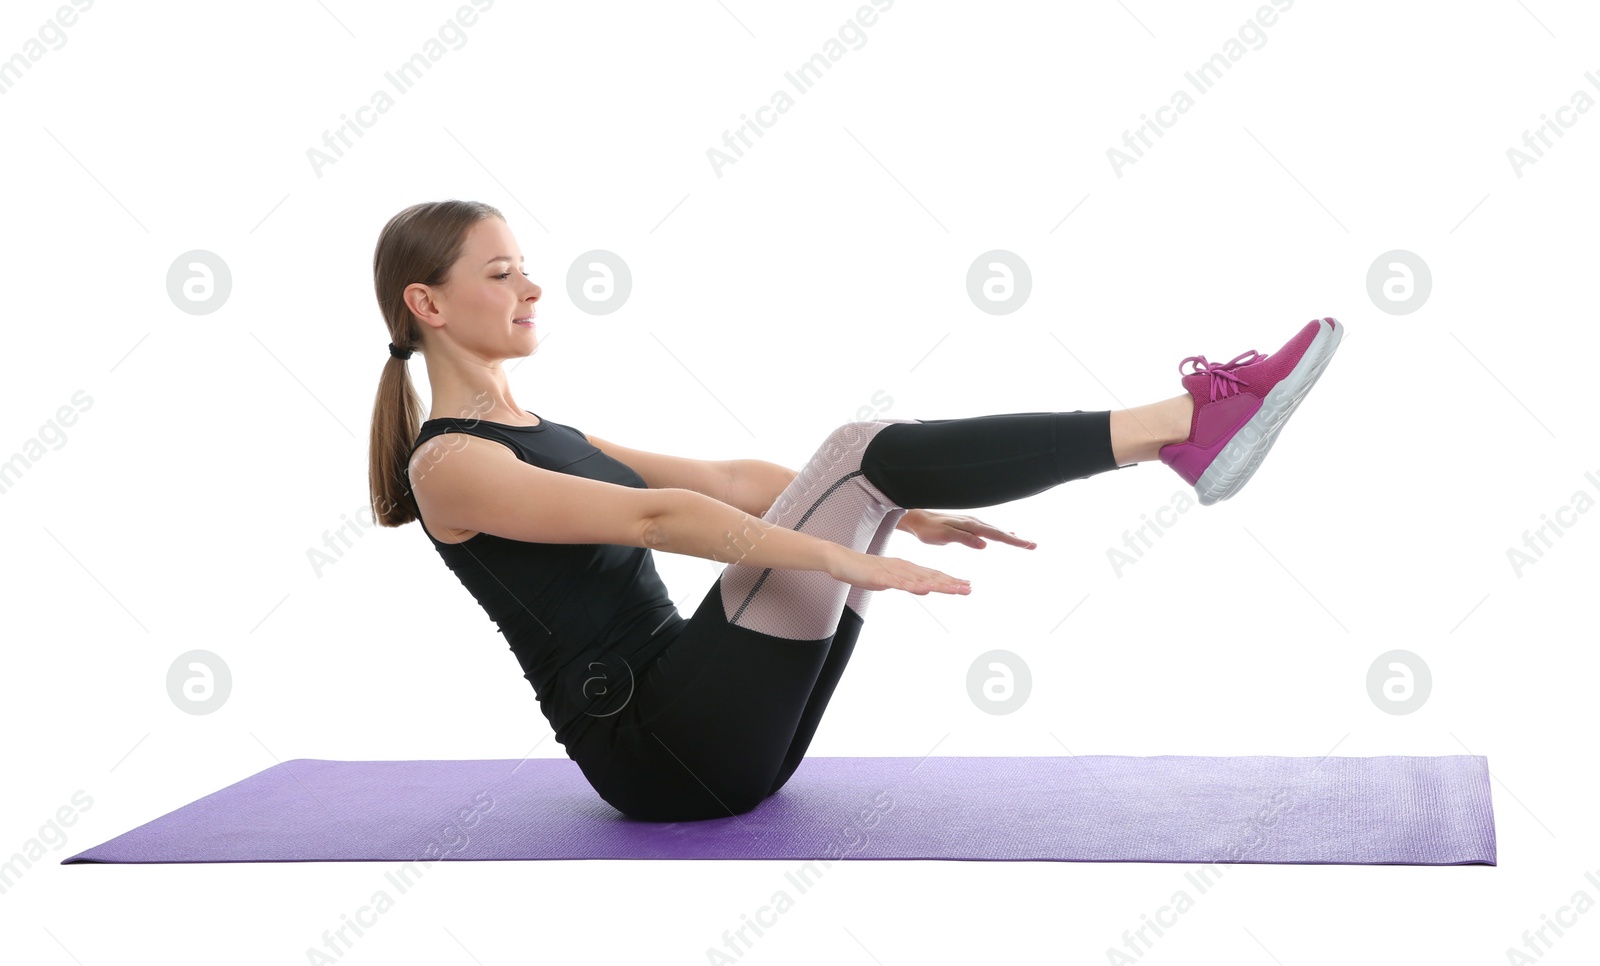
(873, 572)
(933, 527)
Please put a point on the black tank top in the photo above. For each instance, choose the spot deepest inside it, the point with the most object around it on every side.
(584, 620)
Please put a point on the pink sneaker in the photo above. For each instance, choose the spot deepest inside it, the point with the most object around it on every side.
(1240, 406)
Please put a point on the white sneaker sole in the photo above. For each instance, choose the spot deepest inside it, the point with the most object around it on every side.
(1238, 461)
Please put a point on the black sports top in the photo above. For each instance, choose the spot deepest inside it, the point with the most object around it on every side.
(584, 620)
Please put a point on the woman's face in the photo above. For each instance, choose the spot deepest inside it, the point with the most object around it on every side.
(487, 293)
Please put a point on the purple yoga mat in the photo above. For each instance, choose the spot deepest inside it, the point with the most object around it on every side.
(1088, 808)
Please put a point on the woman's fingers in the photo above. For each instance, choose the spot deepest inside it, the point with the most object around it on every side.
(921, 580)
(981, 529)
(875, 572)
(946, 584)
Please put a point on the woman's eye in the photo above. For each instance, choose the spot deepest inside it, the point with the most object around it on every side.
(502, 275)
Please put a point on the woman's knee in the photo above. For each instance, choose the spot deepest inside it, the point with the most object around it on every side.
(847, 438)
(848, 442)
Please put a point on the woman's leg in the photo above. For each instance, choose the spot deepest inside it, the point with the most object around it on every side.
(865, 469)
(746, 683)
(948, 464)
(727, 712)
(839, 653)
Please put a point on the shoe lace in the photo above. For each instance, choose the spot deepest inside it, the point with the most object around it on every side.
(1222, 376)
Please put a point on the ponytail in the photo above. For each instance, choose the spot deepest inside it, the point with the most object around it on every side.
(419, 244)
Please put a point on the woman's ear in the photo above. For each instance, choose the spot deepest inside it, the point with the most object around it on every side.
(420, 302)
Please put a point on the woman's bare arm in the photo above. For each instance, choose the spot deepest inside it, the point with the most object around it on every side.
(698, 525)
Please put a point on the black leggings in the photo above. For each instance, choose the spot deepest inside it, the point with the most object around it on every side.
(724, 715)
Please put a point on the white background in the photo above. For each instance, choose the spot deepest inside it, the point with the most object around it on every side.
(769, 305)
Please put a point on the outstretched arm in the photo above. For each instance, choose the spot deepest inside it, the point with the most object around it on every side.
(683, 521)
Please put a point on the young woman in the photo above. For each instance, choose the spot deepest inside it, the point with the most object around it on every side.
(550, 527)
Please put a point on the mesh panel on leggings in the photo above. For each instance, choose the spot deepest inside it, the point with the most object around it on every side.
(829, 499)
(857, 599)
